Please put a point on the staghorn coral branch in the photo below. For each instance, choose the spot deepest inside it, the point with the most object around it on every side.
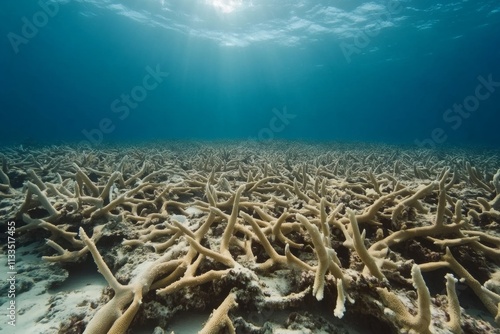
(453, 242)
(371, 212)
(278, 233)
(209, 276)
(105, 193)
(36, 179)
(4, 179)
(453, 305)
(442, 201)
(105, 318)
(56, 231)
(412, 200)
(121, 325)
(471, 282)
(294, 261)
(101, 265)
(275, 258)
(224, 244)
(363, 253)
(341, 298)
(211, 195)
(118, 201)
(44, 201)
(299, 193)
(475, 179)
(83, 179)
(64, 255)
(226, 260)
(220, 319)
(421, 322)
(321, 254)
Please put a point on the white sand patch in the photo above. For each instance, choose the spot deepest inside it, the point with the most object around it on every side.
(188, 322)
(193, 212)
(276, 285)
(40, 310)
(180, 218)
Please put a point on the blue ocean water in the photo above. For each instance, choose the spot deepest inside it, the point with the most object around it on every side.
(423, 73)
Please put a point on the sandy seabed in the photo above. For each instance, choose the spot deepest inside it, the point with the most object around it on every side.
(228, 237)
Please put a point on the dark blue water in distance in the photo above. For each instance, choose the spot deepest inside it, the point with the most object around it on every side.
(391, 71)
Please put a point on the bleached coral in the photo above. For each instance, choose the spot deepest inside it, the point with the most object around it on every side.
(183, 223)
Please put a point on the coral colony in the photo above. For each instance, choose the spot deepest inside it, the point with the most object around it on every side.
(399, 239)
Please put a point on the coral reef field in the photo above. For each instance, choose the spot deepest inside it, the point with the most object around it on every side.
(242, 237)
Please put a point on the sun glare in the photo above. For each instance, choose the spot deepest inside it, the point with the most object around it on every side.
(226, 6)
